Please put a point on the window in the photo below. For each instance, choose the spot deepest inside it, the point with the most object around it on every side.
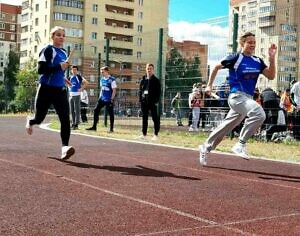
(92, 78)
(45, 18)
(2, 25)
(141, 2)
(36, 21)
(94, 21)
(12, 37)
(37, 7)
(139, 55)
(94, 35)
(140, 28)
(139, 41)
(2, 35)
(95, 7)
(140, 15)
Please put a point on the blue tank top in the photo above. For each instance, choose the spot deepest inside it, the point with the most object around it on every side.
(243, 72)
(57, 56)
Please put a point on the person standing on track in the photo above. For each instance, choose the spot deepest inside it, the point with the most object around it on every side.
(52, 89)
(244, 69)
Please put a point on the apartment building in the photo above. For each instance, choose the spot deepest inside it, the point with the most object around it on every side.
(9, 33)
(189, 49)
(123, 34)
(272, 21)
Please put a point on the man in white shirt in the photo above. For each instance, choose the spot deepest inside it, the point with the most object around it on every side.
(295, 99)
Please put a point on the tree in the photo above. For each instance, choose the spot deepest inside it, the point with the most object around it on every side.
(181, 74)
(26, 89)
(10, 78)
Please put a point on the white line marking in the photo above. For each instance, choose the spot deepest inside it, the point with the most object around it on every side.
(158, 206)
(46, 126)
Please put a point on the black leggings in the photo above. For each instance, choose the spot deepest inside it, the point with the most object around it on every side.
(58, 97)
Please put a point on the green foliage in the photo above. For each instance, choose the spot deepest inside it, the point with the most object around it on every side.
(26, 89)
(9, 80)
(181, 74)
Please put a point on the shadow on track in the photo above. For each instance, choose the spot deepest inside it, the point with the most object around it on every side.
(137, 170)
(265, 176)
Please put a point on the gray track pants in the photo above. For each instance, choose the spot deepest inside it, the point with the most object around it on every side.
(241, 105)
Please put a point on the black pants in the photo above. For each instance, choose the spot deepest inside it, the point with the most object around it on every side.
(83, 111)
(110, 109)
(58, 97)
(145, 107)
(296, 127)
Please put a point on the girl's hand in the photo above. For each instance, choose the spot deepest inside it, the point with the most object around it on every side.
(272, 50)
(64, 65)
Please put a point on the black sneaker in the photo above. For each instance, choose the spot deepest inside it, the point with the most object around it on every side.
(91, 128)
(74, 127)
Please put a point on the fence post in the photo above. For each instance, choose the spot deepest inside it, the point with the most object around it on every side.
(159, 70)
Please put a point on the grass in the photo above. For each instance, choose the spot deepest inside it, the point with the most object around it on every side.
(130, 128)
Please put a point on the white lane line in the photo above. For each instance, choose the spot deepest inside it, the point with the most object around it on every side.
(123, 196)
(148, 142)
(222, 225)
(200, 169)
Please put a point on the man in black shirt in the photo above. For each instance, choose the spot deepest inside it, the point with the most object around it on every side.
(149, 95)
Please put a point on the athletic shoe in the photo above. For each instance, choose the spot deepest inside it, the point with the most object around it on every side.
(74, 127)
(92, 128)
(28, 127)
(142, 137)
(240, 150)
(154, 138)
(191, 129)
(67, 152)
(203, 154)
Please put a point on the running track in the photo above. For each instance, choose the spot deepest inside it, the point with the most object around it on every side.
(114, 187)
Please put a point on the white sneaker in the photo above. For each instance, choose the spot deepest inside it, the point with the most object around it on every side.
(154, 138)
(67, 152)
(240, 150)
(203, 154)
(28, 127)
(191, 129)
(142, 137)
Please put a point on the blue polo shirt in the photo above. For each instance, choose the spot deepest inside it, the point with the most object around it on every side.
(243, 72)
(53, 57)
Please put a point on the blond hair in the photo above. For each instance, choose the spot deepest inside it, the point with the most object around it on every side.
(54, 29)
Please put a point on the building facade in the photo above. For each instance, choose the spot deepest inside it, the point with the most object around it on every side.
(9, 33)
(272, 21)
(123, 34)
(189, 49)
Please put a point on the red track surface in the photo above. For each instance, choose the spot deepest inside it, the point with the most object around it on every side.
(122, 188)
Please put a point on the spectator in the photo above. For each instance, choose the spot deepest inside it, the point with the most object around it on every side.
(149, 95)
(84, 102)
(295, 99)
(106, 99)
(270, 104)
(176, 107)
(77, 83)
(194, 104)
